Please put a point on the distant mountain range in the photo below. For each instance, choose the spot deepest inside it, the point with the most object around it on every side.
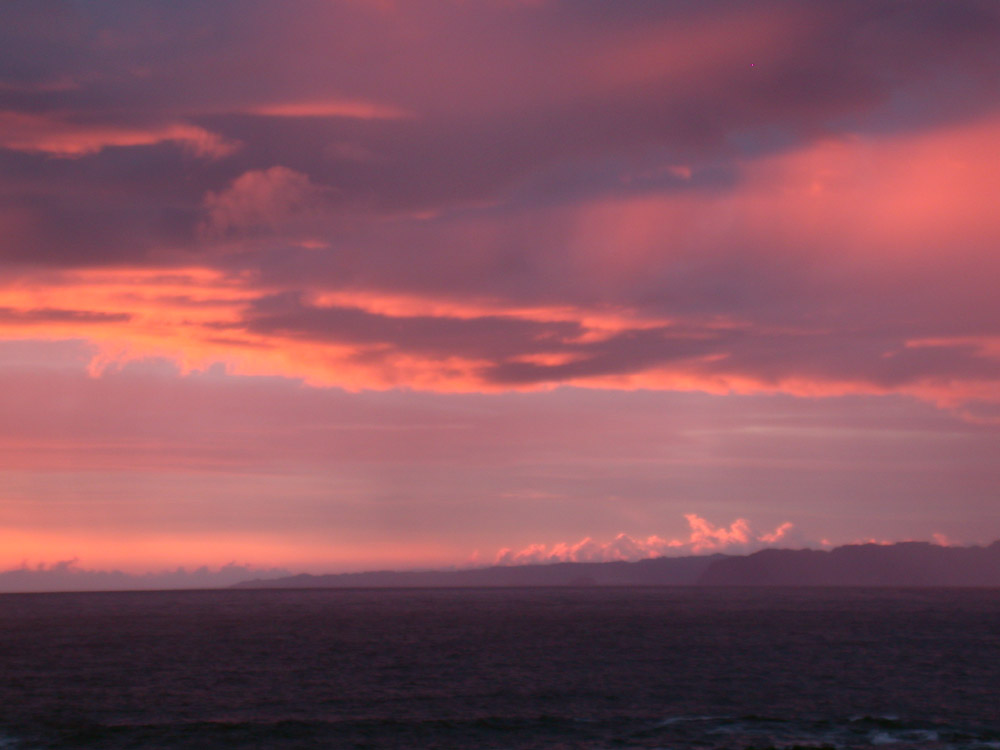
(902, 564)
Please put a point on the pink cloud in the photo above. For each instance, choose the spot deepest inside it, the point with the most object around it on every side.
(142, 450)
(727, 254)
(61, 136)
(705, 538)
(262, 198)
(350, 108)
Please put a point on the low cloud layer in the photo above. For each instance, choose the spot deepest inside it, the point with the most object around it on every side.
(68, 575)
(738, 538)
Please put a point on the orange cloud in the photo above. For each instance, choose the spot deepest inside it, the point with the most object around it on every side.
(148, 551)
(857, 217)
(131, 313)
(198, 317)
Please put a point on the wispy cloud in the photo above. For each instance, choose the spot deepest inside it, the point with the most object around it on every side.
(63, 136)
(350, 108)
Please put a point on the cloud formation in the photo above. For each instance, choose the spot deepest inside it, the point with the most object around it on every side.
(262, 198)
(55, 136)
(468, 246)
(67, 575)
(738, 538)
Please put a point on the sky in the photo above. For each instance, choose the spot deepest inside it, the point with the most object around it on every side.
(339, 285)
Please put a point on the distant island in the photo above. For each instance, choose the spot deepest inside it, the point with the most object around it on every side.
(901, 564)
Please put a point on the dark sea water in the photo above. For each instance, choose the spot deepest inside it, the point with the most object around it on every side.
(528, 668)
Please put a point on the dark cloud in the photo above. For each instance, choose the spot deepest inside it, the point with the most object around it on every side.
(126, 206)
(487, 336)
(876, 359)
(504, 98)
(495, 152)
(622, 354)
(51, 315)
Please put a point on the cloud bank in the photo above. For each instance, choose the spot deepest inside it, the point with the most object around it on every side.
(783, 198)
(738, 538)
(67, 575)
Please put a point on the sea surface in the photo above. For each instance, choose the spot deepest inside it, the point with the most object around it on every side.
(502, 668)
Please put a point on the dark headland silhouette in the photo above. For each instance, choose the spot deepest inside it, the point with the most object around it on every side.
(902, 564)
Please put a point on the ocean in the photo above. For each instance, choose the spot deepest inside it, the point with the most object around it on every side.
(502, 668)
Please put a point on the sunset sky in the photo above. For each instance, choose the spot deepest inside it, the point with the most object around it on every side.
(346, 285)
